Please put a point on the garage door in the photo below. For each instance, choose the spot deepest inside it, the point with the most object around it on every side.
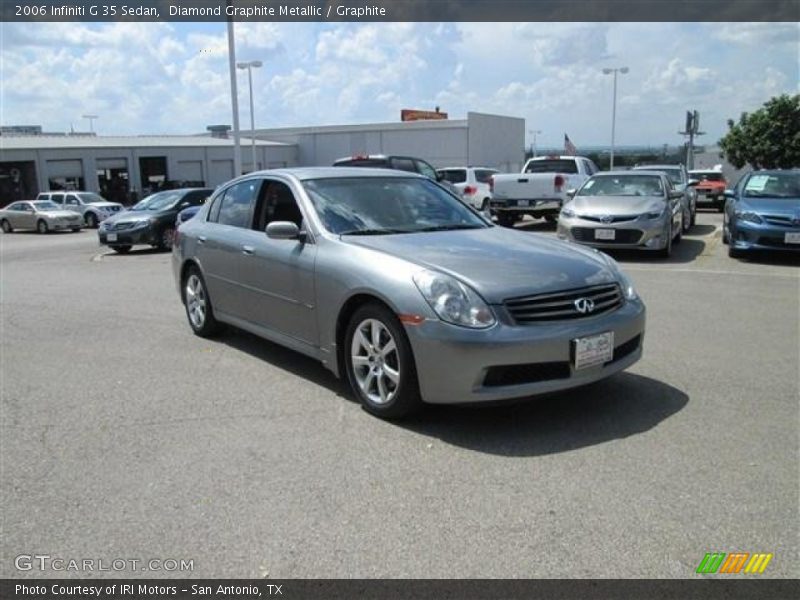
(221, 171)
(189, 170)
(64, 168)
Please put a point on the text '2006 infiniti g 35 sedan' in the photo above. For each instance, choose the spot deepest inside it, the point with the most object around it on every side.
(392, 282)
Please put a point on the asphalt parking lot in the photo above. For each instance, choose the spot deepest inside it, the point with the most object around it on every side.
(123, 436)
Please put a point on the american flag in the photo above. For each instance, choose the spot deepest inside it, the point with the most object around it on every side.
(569, 147)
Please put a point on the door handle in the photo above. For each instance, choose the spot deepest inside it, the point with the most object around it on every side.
(248, 250)
(201, 239)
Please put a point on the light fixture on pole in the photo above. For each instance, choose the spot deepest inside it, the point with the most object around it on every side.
(616, 70)
(91, 119)
(534, 133)
(253, 64)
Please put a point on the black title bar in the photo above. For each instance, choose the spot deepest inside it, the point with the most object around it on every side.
(401, 10)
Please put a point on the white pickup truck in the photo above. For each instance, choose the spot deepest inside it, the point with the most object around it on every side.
(540, 189)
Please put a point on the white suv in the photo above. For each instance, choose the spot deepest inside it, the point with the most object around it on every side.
(472, 184)
(92, 207)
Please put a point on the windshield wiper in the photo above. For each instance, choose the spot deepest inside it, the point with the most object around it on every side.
(373, 231)
(449, 227)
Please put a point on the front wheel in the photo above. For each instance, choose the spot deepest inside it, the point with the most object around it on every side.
(552, 219)
(166, 238)
(121, 249)
(7, 228)
(91, 220)
(379, 363)
(41, 226)
(666, 251)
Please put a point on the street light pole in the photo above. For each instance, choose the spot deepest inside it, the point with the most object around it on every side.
(91, 119)
(250, 66)
(237, 148)
(622, 70)
(534, 133)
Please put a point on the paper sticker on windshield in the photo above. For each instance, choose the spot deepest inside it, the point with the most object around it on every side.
(757, 183)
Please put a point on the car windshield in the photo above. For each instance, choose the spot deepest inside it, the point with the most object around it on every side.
(773, 185)
(552, 166)
(46, 205)
(386, 205)
(623, 185)
(90, 198)
(707, 176)
(159, 201)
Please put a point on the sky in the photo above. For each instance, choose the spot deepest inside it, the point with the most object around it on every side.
(172, 78)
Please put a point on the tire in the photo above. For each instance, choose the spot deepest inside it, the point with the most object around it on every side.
(91, 220)
(666, 252)
(7, 228)
(41, 226)
(552, 219)
(384, 379)
(720, 207)
(686, 223)
(197, 303)
(694, 217)
(76, 229)
(484, 205)
(505, 219)
(678, 238)
(733, 252)
(121, 249)
(725, 236)
(165, 238)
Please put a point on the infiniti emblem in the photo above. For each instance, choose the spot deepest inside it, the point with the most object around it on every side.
(606, 219)
(584, 305)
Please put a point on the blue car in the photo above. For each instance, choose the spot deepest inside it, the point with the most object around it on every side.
(763, 212)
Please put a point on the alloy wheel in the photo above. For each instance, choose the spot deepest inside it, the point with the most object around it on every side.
(376, 361)
(196, 301)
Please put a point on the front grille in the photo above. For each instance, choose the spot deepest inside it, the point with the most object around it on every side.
(121, 226)
(609, 219)
(503, 375)
(780, 220)
(529, 373)
(776, 243)
(561, 305)
(622, 236)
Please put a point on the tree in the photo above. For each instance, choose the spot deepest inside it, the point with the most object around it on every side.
(769, 138)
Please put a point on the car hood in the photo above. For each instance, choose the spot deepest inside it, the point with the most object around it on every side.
(136, 215)
(772, 206)
(615, 205)
(498, 263)
(105, 204)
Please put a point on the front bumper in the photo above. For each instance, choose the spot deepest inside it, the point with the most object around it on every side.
(636, 233)
(710, 196)
(453, 363)
(754, 236)
(535, 206)
(128, 237)
(62, 225)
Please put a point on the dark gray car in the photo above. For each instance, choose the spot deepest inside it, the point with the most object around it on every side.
(392, 282)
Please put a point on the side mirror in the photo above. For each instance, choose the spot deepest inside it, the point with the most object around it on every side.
(692, 182)
(676, 194)
(571, 193)
(729, 194)
(283, 230)
(184, 204)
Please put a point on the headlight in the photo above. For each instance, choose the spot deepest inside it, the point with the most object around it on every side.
(567, 212)
(142, 224)
(654, 214)
(453, 301)
(624, 281)
(748, 216)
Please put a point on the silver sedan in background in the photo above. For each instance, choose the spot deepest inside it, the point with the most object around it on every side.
(41, 215)
(624, 209)
(393, 283)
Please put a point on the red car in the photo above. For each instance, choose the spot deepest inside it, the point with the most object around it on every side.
(711, 188)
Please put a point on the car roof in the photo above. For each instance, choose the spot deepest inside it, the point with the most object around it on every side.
(308, 173)
(656, 167)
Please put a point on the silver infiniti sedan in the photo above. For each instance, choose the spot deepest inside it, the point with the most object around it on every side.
(395, 284)
(624, 209)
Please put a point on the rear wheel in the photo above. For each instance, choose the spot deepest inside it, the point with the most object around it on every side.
(506, 219)
(379, 363)
(7, 228)
(41, 226)
(552, 219)
(198, 305)
(91, 220)
(121, 249)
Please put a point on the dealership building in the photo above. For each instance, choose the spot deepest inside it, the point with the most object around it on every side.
(124, 168)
